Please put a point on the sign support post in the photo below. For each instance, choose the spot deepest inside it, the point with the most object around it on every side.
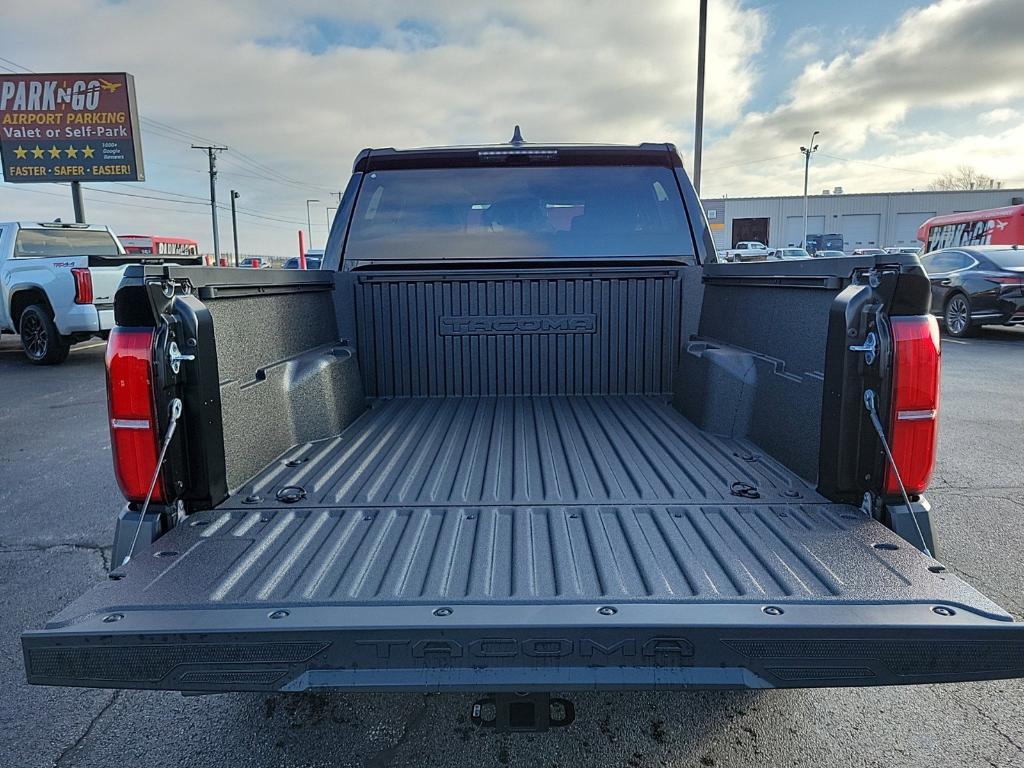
(78, 202)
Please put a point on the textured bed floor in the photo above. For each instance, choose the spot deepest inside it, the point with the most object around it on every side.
(526, 450)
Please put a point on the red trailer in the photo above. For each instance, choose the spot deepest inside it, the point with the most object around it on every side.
(995, 226)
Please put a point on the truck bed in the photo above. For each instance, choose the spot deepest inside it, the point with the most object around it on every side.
(593, 450)
(432, 527)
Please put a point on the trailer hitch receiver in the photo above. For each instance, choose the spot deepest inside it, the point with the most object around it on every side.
(522, 712)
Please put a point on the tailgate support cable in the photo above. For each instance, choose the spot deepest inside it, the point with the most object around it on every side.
(176, 409)
(869, 403)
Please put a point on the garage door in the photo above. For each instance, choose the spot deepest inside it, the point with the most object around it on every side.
(860, 230)
(906, 227)
(793, 232)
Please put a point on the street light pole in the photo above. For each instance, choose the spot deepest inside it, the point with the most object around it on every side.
(698, 131)
(309, 224)
(234, 225)
(810, 149)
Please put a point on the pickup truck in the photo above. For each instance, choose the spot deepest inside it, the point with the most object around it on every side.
(747, 250)
(57, 284)
(523, 433)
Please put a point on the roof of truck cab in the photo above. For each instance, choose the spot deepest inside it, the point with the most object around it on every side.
(54, 225)
(388, 158)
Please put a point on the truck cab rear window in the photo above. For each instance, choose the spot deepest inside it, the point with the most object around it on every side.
(48, 243)
(518, 213)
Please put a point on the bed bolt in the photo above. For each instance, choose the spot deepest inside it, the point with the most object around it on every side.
(110, 618)
(943, 610)
(607, 610)
(773, 610)
(442, 612)
(254, 498)
(279, 614)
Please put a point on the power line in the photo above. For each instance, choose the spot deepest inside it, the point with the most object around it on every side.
(749, 162)
(879, 165)
(290, 223)
(181, 136)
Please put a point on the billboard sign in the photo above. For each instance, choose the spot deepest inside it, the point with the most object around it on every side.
(69, 127)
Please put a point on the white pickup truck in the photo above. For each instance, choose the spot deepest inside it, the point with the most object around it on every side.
(57, 284)
(746, 250)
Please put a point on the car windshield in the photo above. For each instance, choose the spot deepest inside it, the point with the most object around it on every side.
(1010, 258)
(47, 242)
(517, 213)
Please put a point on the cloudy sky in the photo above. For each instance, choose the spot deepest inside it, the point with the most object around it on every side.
(900, 90)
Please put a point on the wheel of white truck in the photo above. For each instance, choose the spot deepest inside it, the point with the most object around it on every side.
(40, 339)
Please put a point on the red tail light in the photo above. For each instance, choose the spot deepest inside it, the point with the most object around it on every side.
(1005, 279)
(83, 285)
(134, 431)
(915, 402)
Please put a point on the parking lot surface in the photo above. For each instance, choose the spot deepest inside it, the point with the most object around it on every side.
(58, 500)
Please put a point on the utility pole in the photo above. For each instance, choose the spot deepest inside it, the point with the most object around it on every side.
(234, 223)
(309, 224)
(328, 209)
(809, 150)
(78, 202)
(211, 151)
(698, 131)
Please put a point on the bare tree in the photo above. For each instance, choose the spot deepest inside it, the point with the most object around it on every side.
(964, 177)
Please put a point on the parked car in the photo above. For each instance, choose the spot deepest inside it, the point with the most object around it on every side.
(57, 283)
(867, 252)
(788, 253)
(502, 458)
(255, 262)
(829, 242)
(980, 285)
(911, 249)
(313, 260)
(829, 254)
(747, 250)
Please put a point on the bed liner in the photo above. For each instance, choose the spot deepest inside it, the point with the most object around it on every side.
(526, 450)
(456, 545)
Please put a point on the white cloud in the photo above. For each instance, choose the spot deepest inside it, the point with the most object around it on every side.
(270, 80)
(951, 56)
(245, 75)
(999, 115)
(804, 43)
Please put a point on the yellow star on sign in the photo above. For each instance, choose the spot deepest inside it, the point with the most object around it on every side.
(21, 153)
(87, 151)
(71, 152)
(54, 152)
(37, 153)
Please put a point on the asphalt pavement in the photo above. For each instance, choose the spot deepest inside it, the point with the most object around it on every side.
(58, 499)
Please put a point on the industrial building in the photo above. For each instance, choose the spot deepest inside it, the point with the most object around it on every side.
(873, 220)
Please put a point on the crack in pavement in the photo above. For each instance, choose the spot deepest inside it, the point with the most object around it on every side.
(28, 546)
(66, 752)
(412, 722)
(991, 720)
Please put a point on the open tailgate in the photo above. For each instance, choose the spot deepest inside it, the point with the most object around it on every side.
(425, 599)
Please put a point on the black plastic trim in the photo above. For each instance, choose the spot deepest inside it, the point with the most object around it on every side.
(490, 648)
(462, 157)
